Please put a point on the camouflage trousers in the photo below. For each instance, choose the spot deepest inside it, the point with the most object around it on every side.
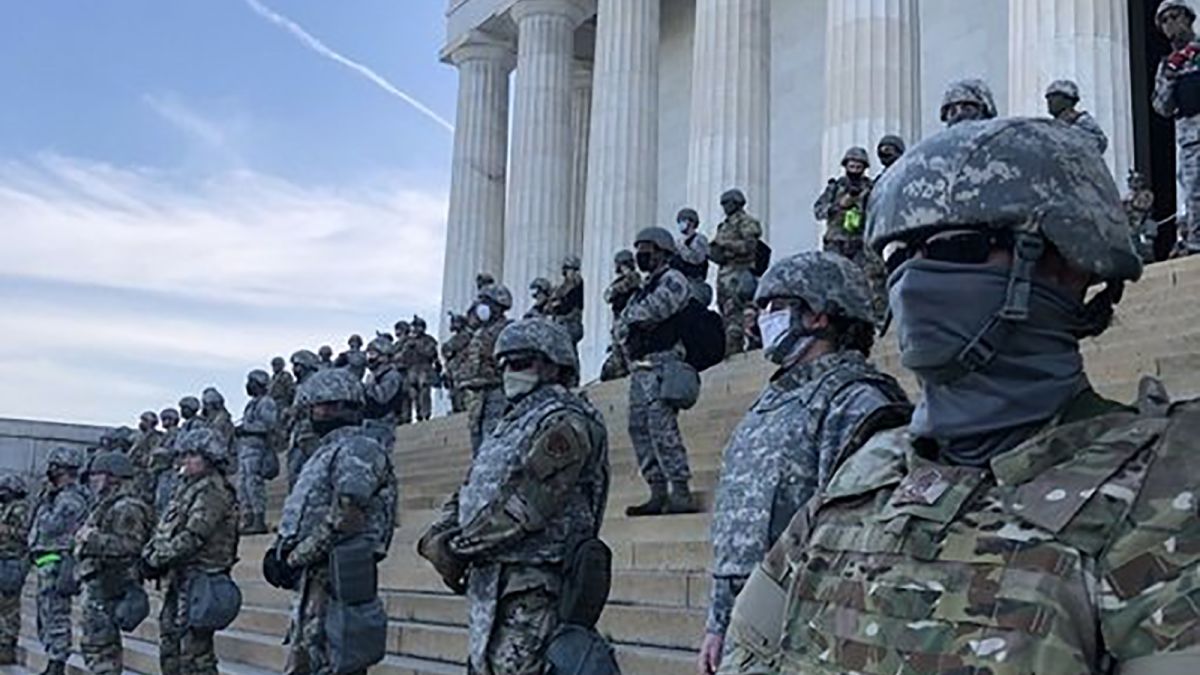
(458, 399)
(485, 407)
(53, 614)
(307, 651)
(182, 651)
(251, 488)
(100, 637)
(654, 429)
(522, 628)
(10, 620)
(1189, 176)
(735, 291)
(420, 393)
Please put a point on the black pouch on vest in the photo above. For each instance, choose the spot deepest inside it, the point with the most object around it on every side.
(132, 609)
(586, 584)
(1187, 95)
(12, 575)
(68, 581)
(352, 574)
(575, 650)
(214, 601)
(356, 635)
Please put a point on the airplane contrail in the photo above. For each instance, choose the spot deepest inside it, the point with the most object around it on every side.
(319, 47)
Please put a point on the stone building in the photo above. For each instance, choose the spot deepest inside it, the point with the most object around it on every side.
(581, 121)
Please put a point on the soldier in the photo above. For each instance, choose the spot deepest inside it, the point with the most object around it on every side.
(890, 148)
(539, 292)
(537, 487)
(61, 508)
(325, 353)
(453, 350)
(108, 547)
(625, 283)
(735, 249)
(346, 493)
(566, 302)
(162, 460)
(145, 443)
(189, 410)
(650, 330)
(216, 415)
(283, 386)
(483, 280)
(14, 561)
(421, 367)
(403, 410)
(353, 358)
(480, 375)
(198, 534)
(1021, 523)
(818, 325)
(1177, 97)
(384, 392)
(692, 255)
(253, 443)
(301, 439)
(1139, 204)
(965, 100)
(1061, 98)
(843, 205)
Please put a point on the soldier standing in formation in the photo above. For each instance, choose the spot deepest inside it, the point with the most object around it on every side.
(145, 444)
(197, 535)
(189, 410)
(651, 334)
(301, 440)
(1061, 98)
(453, 351)
(625, 283)
(216, 416)
(162, 460)
(325, 354)
(384, 392)
(843, 206)
(1139, 206)
(353, 358)
(282, 388)
(1021, 523)
(254, 435)
(735, 250)
(481, 376)
(14, 561)
(346, 492)
(537, 487)
(966, 100)
(403, 409)
(539, 292)
(1177, 97)
(818, 327)
(422, 367)
(566, 300)
(691, 256)
(61, 508)
(109, 546)
(890, 149)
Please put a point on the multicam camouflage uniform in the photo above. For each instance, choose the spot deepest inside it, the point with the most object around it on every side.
(282, 388)
(301, 441)
(218, 419)
(566, 300)
(421, 366)
(162, 464)
(253, 435)
(14, 549)
(481, 376)
(1139, 206)
(617, 295)
(59, 513)
(538, 485)
(197, 534)
(1176, 98)
(108, 547)
(842, 207)
(734, 249)
(145, 444)
(453, 351)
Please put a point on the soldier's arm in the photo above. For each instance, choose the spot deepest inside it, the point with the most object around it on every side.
(667, 300)
(206, 512)
(131, 528)
(537, 491)
(16, 521)
(1163, 99)
(825, 202)
(385, 388)
(356, 479)
(264, 418)
(720, 603)
(70, 511)
(1089, 125)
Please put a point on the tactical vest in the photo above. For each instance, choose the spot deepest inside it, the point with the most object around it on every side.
(212, 495)
(58, 515)
(479, 369)
(378, 409)
(118, 566)
(504, 452)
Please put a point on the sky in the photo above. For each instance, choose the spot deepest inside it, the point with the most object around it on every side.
(189, 188)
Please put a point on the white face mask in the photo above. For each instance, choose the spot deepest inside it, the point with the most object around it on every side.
(782, 345)
(483, 312)
(683, 226)
(518, 383)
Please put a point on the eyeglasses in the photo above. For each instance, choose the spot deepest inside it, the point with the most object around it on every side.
(967, 247)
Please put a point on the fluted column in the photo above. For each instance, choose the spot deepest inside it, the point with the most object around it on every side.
(874, 90)
(537, 231)
(1082, 40)
(623, 153)
(581, 127)
(730, 131)
(475, 222)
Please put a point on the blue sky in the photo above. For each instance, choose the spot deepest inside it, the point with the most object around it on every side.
(187, 189)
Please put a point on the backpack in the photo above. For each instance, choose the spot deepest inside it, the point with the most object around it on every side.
(762, 258)
(703, 335)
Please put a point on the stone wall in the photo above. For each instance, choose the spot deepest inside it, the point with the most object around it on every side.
(24, 444)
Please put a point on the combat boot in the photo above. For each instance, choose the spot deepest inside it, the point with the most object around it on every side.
(652, 507)
(256, 523)
(55, 668)
(681, 500)
(8, 655)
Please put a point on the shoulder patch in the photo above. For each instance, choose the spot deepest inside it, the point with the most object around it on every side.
(561, 440)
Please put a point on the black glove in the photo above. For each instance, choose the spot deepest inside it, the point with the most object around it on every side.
(278, 572)
(434, 547)
(148, 571)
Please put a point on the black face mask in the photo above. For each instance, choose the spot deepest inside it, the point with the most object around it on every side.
(647, 262)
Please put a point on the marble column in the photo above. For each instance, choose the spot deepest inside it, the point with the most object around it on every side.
(1082, 40)
(622, 173)
(475, 222)
(537, 230)
(874, 90)
(581, 128)
(729, 137)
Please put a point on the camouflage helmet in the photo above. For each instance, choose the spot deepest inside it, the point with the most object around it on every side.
(204, 442)
(189, 403)
(168, 414)
(829, 283)
(65, 457)
(856, 154)
(418, 321)
(1136, 180)
(539, 336)
(541, 285)
(969, 91)
(688, 214)
(1016, 174)
(624, 257)
(892, 140)
(484, 279)
(305, 358)
(259, 377)
(1063, 88)
(1168, 5)
(659, 237)
(382, 344)
(355, 339)
(115, 464)
(734, 195)
(211, 396)
(277, 363)
(571, 262)
(330, 385)
(149, 417)
(14, 484)
(497, 294)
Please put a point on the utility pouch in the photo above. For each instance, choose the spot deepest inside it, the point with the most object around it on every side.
(67, 581)
(132, 608)
(1187, 95)
(12, 575)
(356, 635)
(679, 387)
(214, 601)
(268, 467)
(352, 573)
(758, 613)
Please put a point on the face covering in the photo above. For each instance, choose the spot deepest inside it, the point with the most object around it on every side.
(939, 308)
(483, 312)
(683, 226)
(645, 262)
(518, 383)
(781, 344)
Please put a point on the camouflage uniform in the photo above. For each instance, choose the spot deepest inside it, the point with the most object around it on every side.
(108, 547)
(734, 249)
(218, 419)
(1072, 546)
(538, 485)
(403, 410)
(453, 351)
(842, 207)
(1079, 120)
(141, 453)
(617, 295)
(14, 547)
(384, 394)
(282, 388)
(1179, 69)
(197, 534)
(348, 487)
(566, 301)
(259, 420)
(162, 461)
(693, 262)
(421, 365)
(301, 441)
(481, 376)
(59, 513)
